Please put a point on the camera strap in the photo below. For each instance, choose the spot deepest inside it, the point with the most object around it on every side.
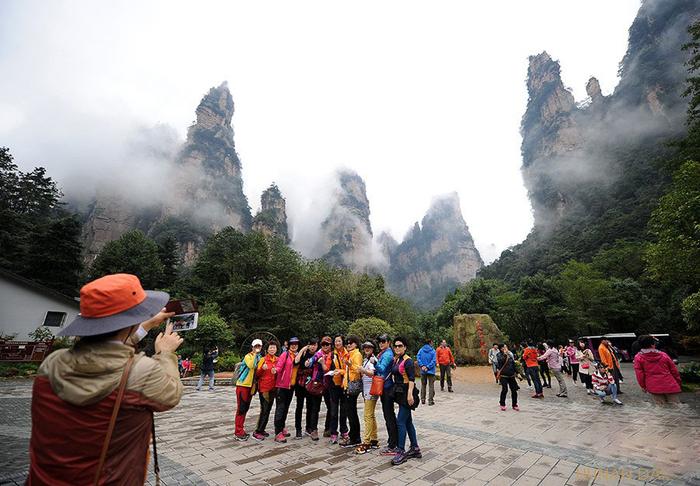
(113, 419)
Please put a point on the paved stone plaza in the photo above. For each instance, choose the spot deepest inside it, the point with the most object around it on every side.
(465, 439)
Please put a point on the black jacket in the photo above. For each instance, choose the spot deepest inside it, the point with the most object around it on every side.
(509, 369)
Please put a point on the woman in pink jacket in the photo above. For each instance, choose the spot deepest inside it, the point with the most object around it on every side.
(656, 372)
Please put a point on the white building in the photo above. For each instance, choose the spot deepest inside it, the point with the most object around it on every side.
(26, 305)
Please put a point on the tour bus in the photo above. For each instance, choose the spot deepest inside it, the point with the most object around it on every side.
(620, 340)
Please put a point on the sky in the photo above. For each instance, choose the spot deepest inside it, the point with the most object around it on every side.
(419, 98)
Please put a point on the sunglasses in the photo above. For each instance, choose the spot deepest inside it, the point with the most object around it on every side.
(325, 344)
(399, 346)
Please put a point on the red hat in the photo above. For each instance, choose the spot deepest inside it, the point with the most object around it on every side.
(112, 303)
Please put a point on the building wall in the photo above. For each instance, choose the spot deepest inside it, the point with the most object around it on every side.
(22, 309)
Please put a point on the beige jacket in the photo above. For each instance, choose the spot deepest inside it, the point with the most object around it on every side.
(72, 402)
(89, 372)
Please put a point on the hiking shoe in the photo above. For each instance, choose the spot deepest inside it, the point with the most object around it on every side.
(562, 395)
(389, 451)
(334, 439)
(423, 402)
(503, 408)
(298, 436)
(326, 433)
(362, 449)
(242, 437)
(258, 436)
(430, 404)
(286, 433)
(618, 402)
(399, 458)
(374, 444)
(314, 435)
(450, 390)
(414, 453)
(346, 442)
(281, 438)
(442, 389)
(266, 434)
(516, 408)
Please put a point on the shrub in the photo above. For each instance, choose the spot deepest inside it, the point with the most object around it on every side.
(691, 372)
(227, 361)
(8, 370)
(369, 328)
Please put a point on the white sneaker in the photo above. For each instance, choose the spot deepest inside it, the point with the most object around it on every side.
(576, 383)
(618, 401)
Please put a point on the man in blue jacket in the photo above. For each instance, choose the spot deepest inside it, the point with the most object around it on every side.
(427, 361)
(385, 361)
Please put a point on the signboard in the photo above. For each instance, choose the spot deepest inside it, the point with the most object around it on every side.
(25, 351)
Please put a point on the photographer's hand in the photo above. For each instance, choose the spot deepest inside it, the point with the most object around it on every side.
(167, 341)
(156, 320)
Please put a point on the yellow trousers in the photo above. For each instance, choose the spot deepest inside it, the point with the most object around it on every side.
(370, 421)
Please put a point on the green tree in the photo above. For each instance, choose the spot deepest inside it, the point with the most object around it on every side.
(675, 225)
(168, 253)
(132, 253)
(691, 311)
(369, 328)
(39, 239)
(212, 330)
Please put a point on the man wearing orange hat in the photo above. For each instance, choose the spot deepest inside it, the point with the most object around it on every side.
(93, 404)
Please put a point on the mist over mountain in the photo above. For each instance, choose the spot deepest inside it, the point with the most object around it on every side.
(435, 257)
(592, 168)
(204, 188)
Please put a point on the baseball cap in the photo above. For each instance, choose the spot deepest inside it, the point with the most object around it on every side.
(112, 303)
(256, 342)
(368, 344)
(294, 340)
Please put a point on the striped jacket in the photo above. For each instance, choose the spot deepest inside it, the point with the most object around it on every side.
(600, 381)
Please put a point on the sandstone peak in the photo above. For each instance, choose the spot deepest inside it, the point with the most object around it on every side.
(271, 220)
(593, 89)
(347, 232)
(216, 108)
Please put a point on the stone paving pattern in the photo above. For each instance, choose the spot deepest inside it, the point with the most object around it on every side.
(465, 439)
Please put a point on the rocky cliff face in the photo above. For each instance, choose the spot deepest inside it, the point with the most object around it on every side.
(592, 168)
(206, 195)
(435, 257)
(271, 220)
(211, 186)
(346, 234)
(568, 147)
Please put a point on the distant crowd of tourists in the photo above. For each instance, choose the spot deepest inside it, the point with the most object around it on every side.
(656, 372)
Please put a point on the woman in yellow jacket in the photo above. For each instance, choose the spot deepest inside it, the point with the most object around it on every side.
(352, 386)
(336, 411)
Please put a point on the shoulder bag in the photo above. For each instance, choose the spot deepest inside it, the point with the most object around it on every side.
(498, 375)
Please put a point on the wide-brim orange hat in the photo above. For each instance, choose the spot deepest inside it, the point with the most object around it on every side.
(112, 303)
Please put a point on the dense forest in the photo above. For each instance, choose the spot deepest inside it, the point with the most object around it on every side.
(630, 262)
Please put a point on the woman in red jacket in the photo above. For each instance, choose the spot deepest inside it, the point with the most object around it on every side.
(656, 372)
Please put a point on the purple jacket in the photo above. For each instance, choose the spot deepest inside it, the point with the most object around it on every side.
(552, 357)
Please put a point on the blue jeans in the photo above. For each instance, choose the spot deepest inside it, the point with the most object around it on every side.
(533, 373)
(612, 391)
(209, 373)
(405, 426)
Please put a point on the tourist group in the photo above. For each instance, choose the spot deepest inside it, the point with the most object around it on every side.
(655, 371)
(337, 371)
